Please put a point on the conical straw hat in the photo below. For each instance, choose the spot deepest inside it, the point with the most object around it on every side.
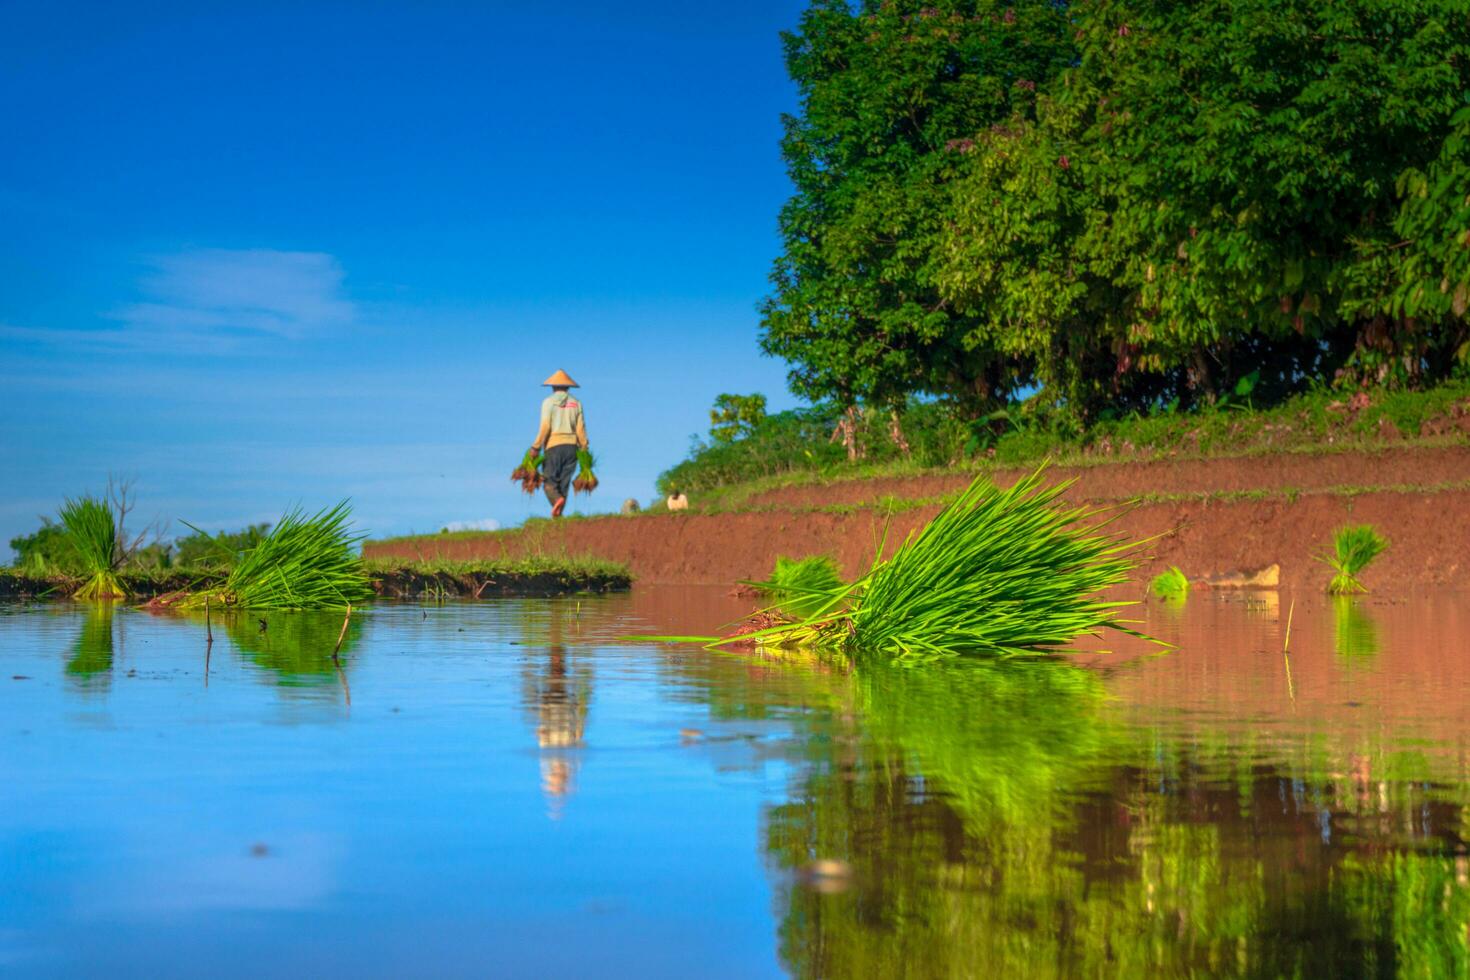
(561, 380)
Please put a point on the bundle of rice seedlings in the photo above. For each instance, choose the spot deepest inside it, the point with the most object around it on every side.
(801, 586)
(586, 480)
(91, 530)
(305, 562)
(1171, 585)
(997, 572)
(529, 472)
(1354, 548)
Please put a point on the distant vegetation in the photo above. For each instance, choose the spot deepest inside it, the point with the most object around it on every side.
(936, 434)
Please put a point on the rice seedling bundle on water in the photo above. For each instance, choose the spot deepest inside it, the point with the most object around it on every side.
(91, 530)
(529, 472)
(1354, 547)
(1172, 585)
(305, 562)
(586, 480)
(997, 572)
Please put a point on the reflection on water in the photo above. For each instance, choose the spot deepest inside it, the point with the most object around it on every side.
(1354, 633)
(557, 691)
(90, 666)
(296, 647)
(1118, 813)
(1001, 818)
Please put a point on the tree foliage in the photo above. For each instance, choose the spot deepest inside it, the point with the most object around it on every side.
(734, 416)
(1124, 201)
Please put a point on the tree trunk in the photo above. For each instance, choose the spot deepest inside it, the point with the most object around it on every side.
(895, 432)
(849, 432)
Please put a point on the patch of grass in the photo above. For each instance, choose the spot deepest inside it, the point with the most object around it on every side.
(1354, 547)
(91, 529)
(305, 562)
(997, 572)
(538, 565)
(794, 448)
(1170, 585)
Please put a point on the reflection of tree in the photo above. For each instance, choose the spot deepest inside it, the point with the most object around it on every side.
(1354, 632)
(557, 691)
(90, 666)
(295, 646)
(1000, 819)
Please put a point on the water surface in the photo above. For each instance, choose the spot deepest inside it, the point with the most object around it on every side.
(501, 788)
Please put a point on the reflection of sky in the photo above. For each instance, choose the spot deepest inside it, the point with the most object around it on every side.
(410, 833)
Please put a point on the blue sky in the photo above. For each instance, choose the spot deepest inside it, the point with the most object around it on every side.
(270, 253)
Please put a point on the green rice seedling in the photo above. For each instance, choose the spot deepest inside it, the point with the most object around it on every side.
(1171, 585)
(305, 562)
(529, 472)
(800, 586)
(586, 480)
(1354, 548)
(92, 531)
(997, 572)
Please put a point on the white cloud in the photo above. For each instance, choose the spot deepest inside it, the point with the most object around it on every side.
(246, 291)
(213, 301)
(486, 524)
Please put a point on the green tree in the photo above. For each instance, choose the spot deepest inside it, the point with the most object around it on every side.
(1223, 188)
(891, 92)
(734, 416)
(45, 550)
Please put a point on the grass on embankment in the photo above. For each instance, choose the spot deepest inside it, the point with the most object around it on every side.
(391, 578)
(479, 579)
(722, 475)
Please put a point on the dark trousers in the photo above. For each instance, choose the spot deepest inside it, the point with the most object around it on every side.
(558, 470)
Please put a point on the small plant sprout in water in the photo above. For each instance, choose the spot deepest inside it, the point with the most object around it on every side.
(1354, 548)
(1172, 585)
(91, 530)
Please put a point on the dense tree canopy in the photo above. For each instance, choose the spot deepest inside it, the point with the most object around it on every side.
(1124, 201)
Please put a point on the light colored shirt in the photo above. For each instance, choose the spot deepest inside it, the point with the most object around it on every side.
(562, 421)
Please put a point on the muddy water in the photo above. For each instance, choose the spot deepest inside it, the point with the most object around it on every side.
(501, 789)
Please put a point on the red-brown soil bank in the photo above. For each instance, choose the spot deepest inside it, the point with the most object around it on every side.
(1294, 502)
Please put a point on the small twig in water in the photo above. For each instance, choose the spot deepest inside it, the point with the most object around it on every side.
(342, 635)
(1286, 652)
(208, 640)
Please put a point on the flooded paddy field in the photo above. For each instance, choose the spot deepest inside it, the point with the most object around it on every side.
(502, 788)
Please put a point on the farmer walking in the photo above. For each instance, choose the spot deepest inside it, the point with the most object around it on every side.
(563, 431)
